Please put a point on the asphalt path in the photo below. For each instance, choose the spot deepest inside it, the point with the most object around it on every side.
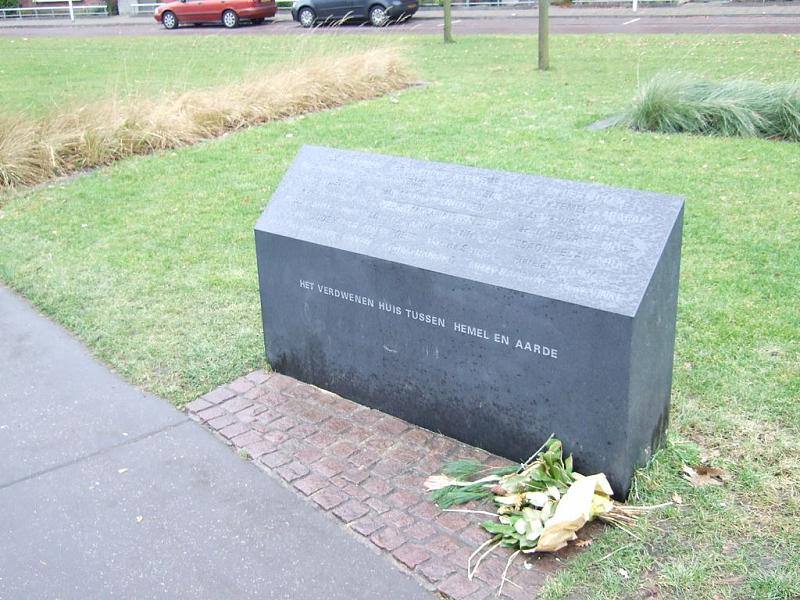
(513, 23)
(108, 492)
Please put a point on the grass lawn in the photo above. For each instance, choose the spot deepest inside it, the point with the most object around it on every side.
(151, 261)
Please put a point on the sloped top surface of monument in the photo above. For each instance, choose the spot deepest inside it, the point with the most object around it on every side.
(586, 244)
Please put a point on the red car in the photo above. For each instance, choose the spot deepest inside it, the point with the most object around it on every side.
(229, 12)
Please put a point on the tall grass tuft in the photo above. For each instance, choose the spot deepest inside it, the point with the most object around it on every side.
(35, 150)
(679, 103)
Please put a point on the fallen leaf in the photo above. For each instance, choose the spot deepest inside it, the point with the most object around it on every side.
(700, 476)
(676, 498)
(583, 543)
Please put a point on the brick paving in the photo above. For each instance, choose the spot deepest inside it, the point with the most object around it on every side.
(366, 469)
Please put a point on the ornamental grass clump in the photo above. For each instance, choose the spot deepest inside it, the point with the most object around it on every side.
(35, 150)
(540, 504)
(680, 103)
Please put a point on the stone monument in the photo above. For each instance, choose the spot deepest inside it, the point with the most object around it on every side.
(496, 308)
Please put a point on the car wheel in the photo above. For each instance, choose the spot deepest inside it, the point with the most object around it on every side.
(377, 16)
(230, 19)
(169, 20)
(306, 16)
(257, 21)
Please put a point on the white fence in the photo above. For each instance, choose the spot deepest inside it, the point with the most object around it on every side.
(49, 12)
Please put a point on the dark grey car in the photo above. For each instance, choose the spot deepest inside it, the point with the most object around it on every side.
(378, 12)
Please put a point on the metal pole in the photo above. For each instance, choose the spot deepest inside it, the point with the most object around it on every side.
(544, 35)
(71, 12)
(448, 22)
(635, 5)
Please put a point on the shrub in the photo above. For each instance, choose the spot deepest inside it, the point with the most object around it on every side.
(35, 150)
(679, 103)
(9, 3)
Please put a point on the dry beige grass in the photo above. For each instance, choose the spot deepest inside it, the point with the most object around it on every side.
(33, 151)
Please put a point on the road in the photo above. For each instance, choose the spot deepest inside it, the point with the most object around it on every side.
(465, 22)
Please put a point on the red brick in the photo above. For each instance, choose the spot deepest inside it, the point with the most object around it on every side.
(272, 397)
(222, 421)
(491, 568)
(435, 571)
(342, 449)
(276, 437)
(198, 405)
(255, 394)
(387, 538)
(260, 448)
(247, 438)
(322, 439)
(379, 506)
(275, 459)
(443, 545)
(402, 499)
(376, 486)
(234, 405)
(292, 471)
(355, 492)
(231, 431)
(390, 467)
(344, 405)
(364, 458)
(366, 417)
(457, 586)
(284, 424)
(397, 518)
(392, 425)
(416, 437)
(281, 382)
(407, 455)
(211, 413)
(329, 467)
(474, 535)
(319, 397)
(355, 475)
(241, 385)
(339, 482)
(218, 395)
(356, 435)
(454, 521)
(442, 444)
(336, 426)
(419, 531)
(249, 414)
(367, 525)
(329, 497)
(426, 510)
(379, 443)
(258, 377)
(411, 555)
(351, 510)
(309, 485)
(301, 432)
(413, 483)
(308, 454)
(309, 413)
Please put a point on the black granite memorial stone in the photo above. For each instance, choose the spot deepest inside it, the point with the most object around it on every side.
(496, 308)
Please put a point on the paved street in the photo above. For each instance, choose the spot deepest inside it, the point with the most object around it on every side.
(107, 492)
(689, 18)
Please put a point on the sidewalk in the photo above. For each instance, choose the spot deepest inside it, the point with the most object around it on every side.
(109, 492)
(716, 9)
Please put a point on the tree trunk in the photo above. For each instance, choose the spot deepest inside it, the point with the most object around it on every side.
(448, 22)
(544, 35)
